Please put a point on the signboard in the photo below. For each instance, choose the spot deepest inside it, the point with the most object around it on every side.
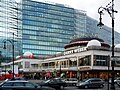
(75, 50)
(84, 68)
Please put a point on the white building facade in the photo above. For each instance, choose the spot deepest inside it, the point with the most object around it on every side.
(81, 59)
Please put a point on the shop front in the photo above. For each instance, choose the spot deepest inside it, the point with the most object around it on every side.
(103, 74)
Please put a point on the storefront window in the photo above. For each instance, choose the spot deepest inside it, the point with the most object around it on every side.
(100, 60)
(85, 61)
(51, 63)
(73, 63)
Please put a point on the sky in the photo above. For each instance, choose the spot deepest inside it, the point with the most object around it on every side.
(91, 8)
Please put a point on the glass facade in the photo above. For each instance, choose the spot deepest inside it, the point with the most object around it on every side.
(47, 28)
(79, 23)
(8, 26)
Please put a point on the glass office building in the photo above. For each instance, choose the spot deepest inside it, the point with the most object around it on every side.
(8, 29)
(48, 27)
(44, 28)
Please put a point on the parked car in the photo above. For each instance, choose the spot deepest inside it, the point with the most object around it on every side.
(71, 81)
(116, 80)
(56, 83)
(91, 83)
(21, 85)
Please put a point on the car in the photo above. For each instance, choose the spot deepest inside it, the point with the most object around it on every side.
(116, 80)
(71, 81)
(56, 83)
(21, 85)
(90, 83)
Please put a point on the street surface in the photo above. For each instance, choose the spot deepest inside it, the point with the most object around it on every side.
(75, 88)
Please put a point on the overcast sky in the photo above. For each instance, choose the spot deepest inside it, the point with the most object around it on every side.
(91, 7)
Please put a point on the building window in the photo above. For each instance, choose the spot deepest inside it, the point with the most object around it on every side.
(73, 63)
(85, 61)
(100, 60)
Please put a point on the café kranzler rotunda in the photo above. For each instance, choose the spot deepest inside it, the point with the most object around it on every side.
(82, 58)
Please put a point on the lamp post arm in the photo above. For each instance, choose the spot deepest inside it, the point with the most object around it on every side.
(12, 42)
(110, 10)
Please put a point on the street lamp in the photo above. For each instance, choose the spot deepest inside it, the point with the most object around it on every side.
(110, 9)
(12, 42)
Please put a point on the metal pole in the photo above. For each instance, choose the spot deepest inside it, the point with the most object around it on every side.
(13, 56)
(12, 42)
(5, 71)
(110, 11)
(112, 84)
(60, 69)
(108, 61)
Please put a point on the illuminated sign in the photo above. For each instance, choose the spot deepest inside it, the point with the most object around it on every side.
(75, 50)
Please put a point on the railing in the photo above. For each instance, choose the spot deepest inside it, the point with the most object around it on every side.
(50, 67)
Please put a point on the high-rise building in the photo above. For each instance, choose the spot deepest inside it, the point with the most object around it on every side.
(45, 28)
(48, 27)
(9, 29)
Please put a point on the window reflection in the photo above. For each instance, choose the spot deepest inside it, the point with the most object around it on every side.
(100, 60)
(83, 61)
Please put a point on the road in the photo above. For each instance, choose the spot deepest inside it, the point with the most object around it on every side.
(75, 88)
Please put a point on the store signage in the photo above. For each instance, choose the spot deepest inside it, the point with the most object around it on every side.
(75, 50)
(84, 68)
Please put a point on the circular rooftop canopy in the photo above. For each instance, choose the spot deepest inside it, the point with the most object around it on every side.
(117, 46)
(27, 54)
(94, 43)
(85, 39)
